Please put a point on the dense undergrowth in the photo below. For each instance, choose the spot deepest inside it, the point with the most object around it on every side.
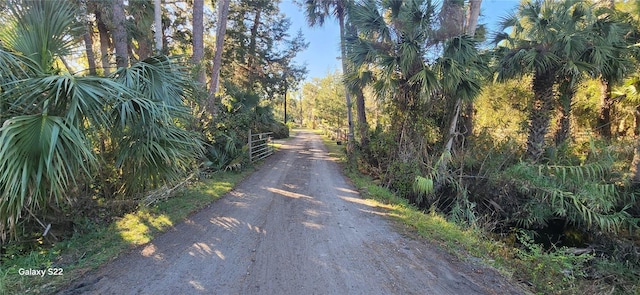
(566, 225)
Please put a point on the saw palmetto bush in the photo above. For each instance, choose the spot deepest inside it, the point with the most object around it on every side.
(57, 129)
(585, 195)
(151, 144)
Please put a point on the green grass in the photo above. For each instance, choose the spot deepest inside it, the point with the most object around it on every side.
(95, 245)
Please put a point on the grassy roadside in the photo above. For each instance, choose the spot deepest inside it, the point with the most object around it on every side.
(553, 272)
(430, 225)
(94, 245)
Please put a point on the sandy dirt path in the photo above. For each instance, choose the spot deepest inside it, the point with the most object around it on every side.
(295, 226)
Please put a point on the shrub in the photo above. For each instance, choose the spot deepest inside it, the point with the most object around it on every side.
(279, 129)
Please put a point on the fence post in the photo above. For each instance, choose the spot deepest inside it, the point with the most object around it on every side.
(250, 145)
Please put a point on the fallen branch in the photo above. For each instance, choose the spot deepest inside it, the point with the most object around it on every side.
(165, 192)
(46, 228)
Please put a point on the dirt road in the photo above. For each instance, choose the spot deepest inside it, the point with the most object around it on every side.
(295, 226)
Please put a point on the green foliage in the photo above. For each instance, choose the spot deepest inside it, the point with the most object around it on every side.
(581, 194)
(501, 108)
(377, 155)
(462, 69)
(444, 191)
(423, 185)
(58, 128)
(401, 176)
(259, 52)
(41, 157)
(555, 41)
(42, 30)
(586, 103)
(280, 130)
(222, 153)
(621, 276)
(323, 100)
(151, 146)
(226, 139)
(554, 271)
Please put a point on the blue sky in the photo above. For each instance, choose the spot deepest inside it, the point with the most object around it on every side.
(324, 42)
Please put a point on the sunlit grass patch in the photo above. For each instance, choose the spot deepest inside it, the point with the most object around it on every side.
(138, 228)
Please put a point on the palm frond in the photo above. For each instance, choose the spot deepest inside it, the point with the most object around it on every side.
(75, 98)
(13, 67)
(41, 156)
(581, 194)
(42, 30)
(152, 149)
(159, 78)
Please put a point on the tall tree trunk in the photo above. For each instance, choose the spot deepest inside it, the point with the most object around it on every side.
(251, 56)
(157, 19)
(198, 44)
(604, 116)
(540, 114)
(446, 155)
(120, 34)
(343, 51)
(88, 45)
(362, 118)
(563, 130)
(105, 43)
(363, 127)
(223, 11)
(144, 49)
(285, 101)
(472, 24)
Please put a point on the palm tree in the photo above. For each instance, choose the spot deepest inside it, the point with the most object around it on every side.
(50, 120)
(393, 38)
(612, 31)
(357, 80)
(149, 145)
(43, 150)
(606, 57)
(547, 41)
(461, 70)
(317, 11)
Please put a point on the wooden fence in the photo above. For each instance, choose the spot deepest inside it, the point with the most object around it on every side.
(260, 146)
